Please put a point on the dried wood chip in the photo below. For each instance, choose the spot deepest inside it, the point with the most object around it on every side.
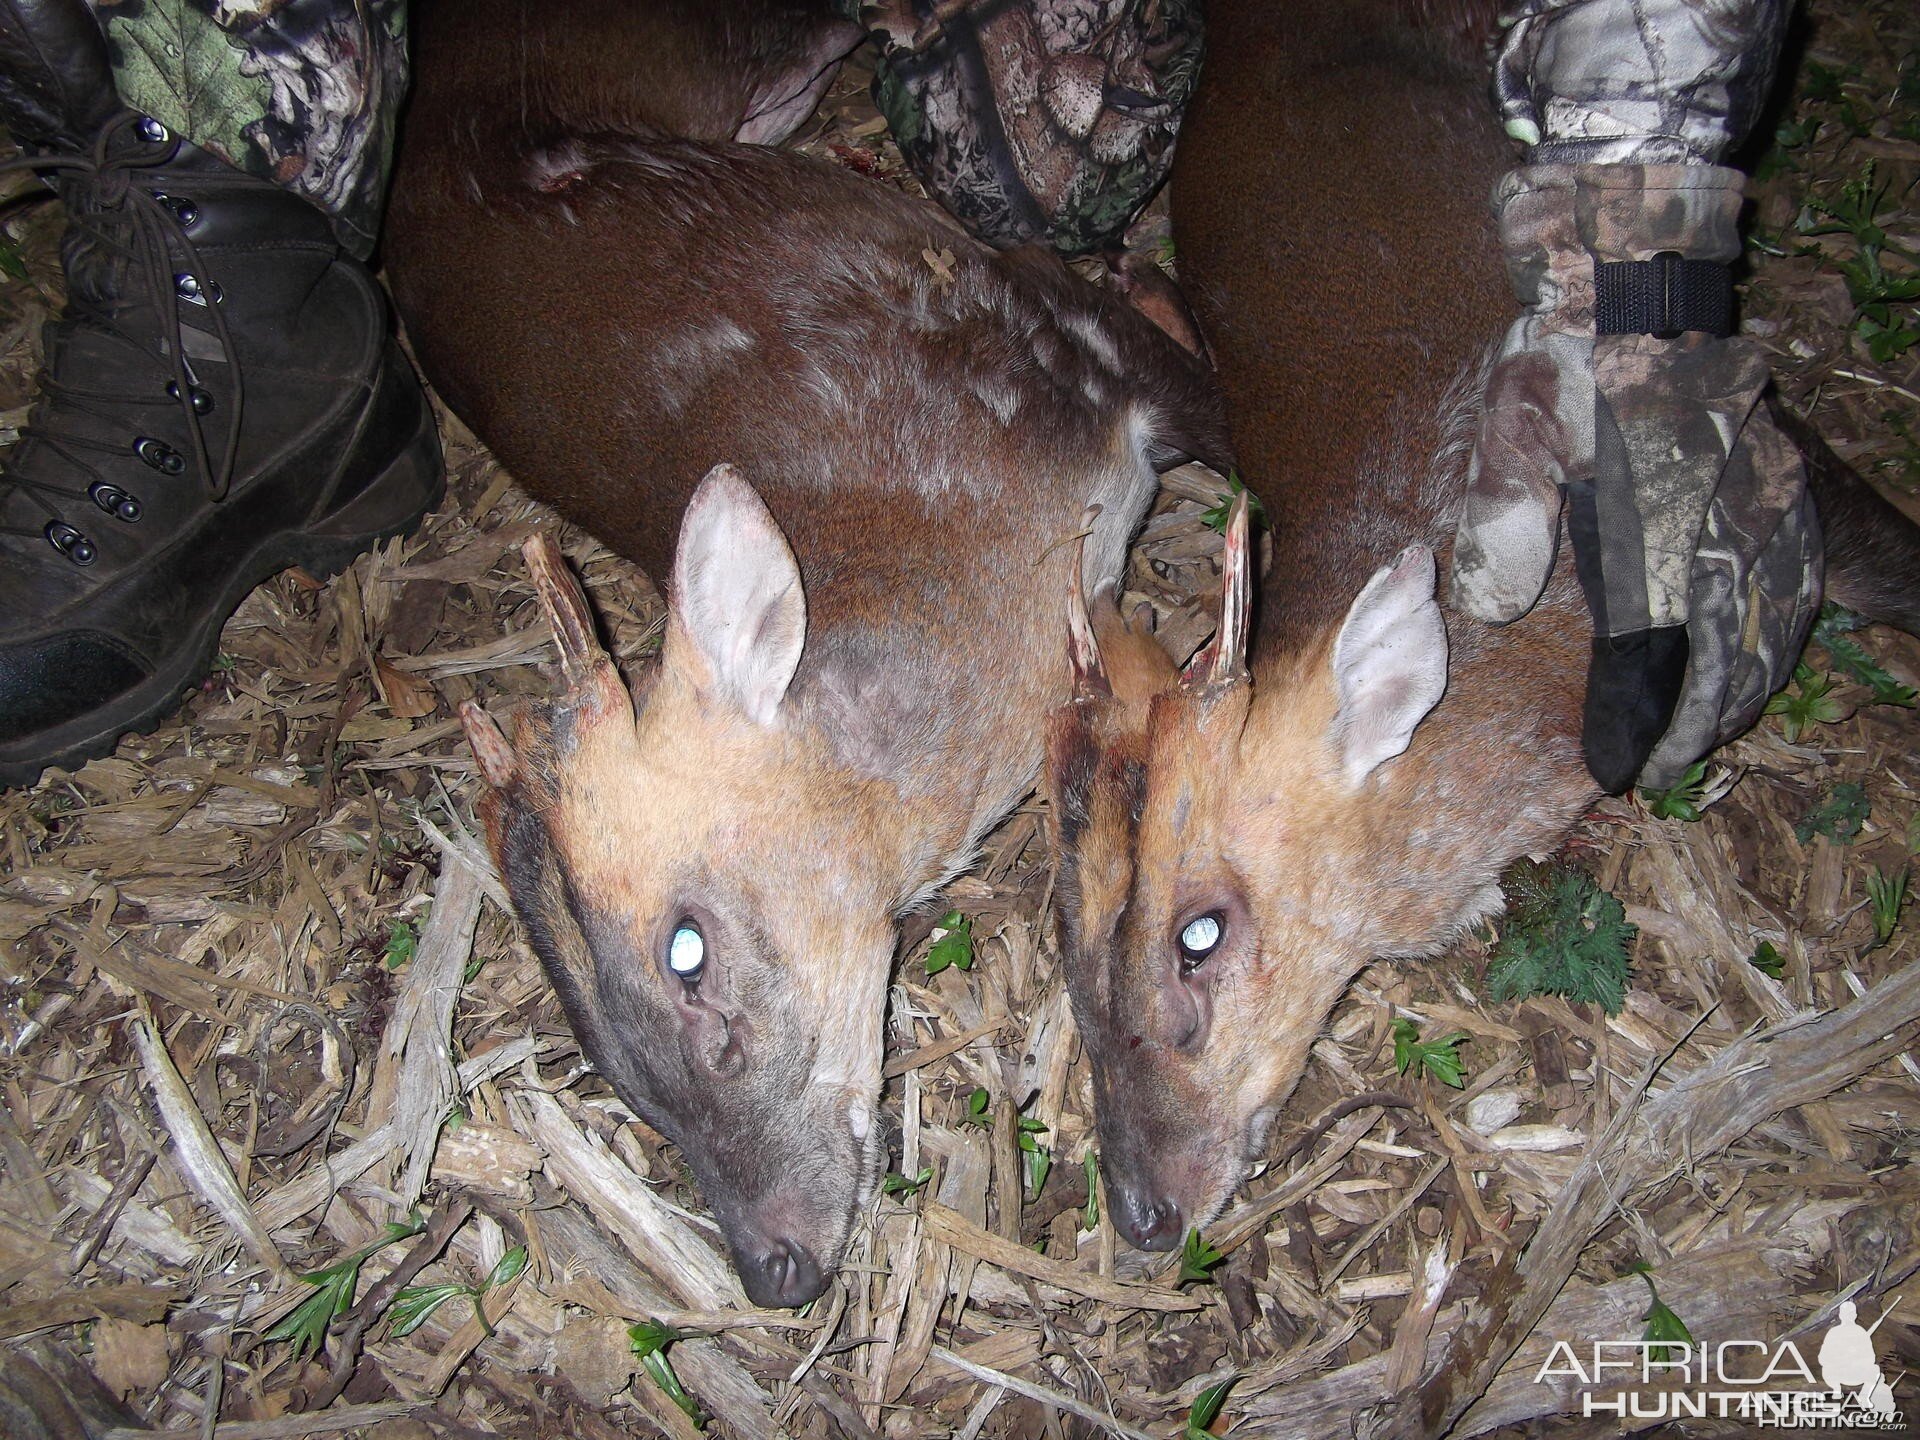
(414, 1083)
(405, 696)
(294, 1427)
(951, 1228)
(1056, 1399)
(198, 1153)
(138, 1304)
(130, 1357)
(660, 1238)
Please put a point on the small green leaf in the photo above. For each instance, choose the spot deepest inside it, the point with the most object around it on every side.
(507, 1268)
(1768, 960)
(1563, 935)
(1662, 1324)
(954, 945)
(403, 942)
(1839, 817)
(1792, 134)
(13, 265)
(1090, 1217)
(306, 1324)
(650, 1341)
(1682, 800)
(1438, 1058)
(977, 1103)
(1197, 1259)
(1206, 1408)
(1216, 518)
(1036, 1159)
(414, 1224)
(650, 1335)
(415, 1305)
(1809, 702)
(1886, 895)
(898, 1184)
(1834, 633)
(661, 1369)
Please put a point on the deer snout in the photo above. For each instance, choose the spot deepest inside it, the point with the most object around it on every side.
(1145, 1220)
(778, 1271)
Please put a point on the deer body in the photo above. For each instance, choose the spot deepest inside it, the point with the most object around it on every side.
(1237, 843)
(897, 429)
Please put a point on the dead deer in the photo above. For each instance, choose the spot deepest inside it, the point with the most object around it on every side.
(1347, 783)
(898, 431)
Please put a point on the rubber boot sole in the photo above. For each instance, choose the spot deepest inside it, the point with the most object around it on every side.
(393, 503)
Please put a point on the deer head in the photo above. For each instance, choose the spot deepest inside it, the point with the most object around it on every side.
(1232, 849)
(711, 892)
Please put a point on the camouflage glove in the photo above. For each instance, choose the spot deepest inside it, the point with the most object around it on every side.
(1044, 120)
(1687, 510)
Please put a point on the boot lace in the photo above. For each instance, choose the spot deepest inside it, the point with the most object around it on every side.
(120, 216)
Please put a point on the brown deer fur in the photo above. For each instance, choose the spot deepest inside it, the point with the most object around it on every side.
(897, 429)
(1359, 794)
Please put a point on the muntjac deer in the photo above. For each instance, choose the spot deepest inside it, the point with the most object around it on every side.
(1238, 841)
(899, 432)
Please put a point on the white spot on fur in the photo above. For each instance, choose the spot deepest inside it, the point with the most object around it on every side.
(1002, 400)
(1094, 336)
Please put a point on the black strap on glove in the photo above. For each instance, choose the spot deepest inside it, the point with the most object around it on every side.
(1663, 297)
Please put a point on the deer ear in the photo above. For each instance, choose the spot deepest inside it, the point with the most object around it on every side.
(737, 595)
(1389, 664)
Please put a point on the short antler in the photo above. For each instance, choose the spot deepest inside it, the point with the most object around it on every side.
(1224, 658)
(490, 747)
(565, 606)
(1089, 674)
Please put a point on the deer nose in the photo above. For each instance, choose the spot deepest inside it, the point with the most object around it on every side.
(1148, 1222)
(781, 1272)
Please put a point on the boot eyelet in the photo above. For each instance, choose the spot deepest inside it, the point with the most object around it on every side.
(188, 287)
(152, 131)
(184, 210)
(115, 501)
(71, 543)
(202, 401)
(160, 455)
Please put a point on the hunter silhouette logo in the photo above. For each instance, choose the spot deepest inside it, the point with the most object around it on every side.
(1847, 1362)
(1769, 1384)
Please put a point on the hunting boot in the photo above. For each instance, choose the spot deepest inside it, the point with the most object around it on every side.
(220, 399)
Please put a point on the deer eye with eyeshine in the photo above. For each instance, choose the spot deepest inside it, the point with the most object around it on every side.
(1200, 939)
(687, 951)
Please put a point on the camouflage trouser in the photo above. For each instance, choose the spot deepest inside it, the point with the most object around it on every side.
(304, 92)
(1047, 120)
(1028, 118)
